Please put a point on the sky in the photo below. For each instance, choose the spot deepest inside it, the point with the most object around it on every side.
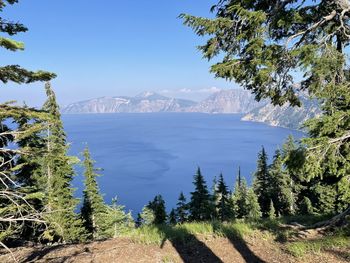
(110, 48)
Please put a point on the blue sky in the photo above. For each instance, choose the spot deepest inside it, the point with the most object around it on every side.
(108, 48)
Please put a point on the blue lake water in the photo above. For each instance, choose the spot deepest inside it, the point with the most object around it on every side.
(143, 155)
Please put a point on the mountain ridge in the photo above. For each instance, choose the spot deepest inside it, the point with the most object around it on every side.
(222, 102)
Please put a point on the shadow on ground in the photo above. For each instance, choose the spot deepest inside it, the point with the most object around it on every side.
(187, 245)
(191, 249)
(42, 254)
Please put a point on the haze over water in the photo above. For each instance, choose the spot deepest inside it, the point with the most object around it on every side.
(146, 154)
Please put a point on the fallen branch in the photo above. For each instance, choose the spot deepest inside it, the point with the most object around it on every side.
(338, 220)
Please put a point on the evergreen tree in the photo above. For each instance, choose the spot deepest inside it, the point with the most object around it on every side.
(94, 208)
(172, 217)
(158, 208)
(305, 207)
(15, 73)
(262, 44)
(239, 178)
(20, 202)
(115, 221)
(139, 220)
(214, 198)
(147, 217)
(262, 183)
(343, 194)
(239, 197)
(182, 209)
(245, 201)
(200, 207)
(223, 205)
(28, 172)
(253, 207)
(281, 191)
(272, 211)
(63, 222)
(291, 161)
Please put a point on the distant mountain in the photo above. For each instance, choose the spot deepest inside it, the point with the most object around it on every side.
(144, 102)
(228, 101)
(285, 116)
(224, 101)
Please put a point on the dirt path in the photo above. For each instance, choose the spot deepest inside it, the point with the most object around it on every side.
(205, 249)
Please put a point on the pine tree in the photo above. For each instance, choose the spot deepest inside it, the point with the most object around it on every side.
(20, 200)
(244, 200)
(138, 222)
(239, 197)
(223, 205)
(115, 221)
(214, 198)
(262, 183)
(182, 209)
(305, 207)
(147, 217)
(28, 173)
(252, 208)
(63, 222)
(200, 207)
(94, 208)
(158, 208)
(291, 161)
(262, 44)
(15, 73)
(14, 200)
(343, 194)
(239, 178)
(324, 195)
(281, 191)
(272, 211)
(173, 217)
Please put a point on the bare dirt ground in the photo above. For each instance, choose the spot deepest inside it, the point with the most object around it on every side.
(205, 249)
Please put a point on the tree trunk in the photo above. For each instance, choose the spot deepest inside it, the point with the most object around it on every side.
(49, 176)
(336, 221)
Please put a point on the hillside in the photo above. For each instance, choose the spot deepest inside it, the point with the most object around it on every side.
(225, 102)
(198, 242)
(285, 116)
(145, 102)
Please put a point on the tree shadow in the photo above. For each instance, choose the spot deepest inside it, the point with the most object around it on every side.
(238, 243)
(39, 255)
(344, 255)
(187, 245)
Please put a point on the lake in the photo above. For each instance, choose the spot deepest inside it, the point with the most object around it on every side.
(146, 154)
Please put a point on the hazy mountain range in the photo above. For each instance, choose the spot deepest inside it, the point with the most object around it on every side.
(285, 116)
(144, 102)
(224, 101)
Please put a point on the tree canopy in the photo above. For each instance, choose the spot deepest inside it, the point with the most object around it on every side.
(19, 203)
(278, 49)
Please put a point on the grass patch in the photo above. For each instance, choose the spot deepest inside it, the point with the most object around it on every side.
(186, 233)
(300, 248)
(147, 235)
(282, 233)
(236, 229)
(305, 220)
